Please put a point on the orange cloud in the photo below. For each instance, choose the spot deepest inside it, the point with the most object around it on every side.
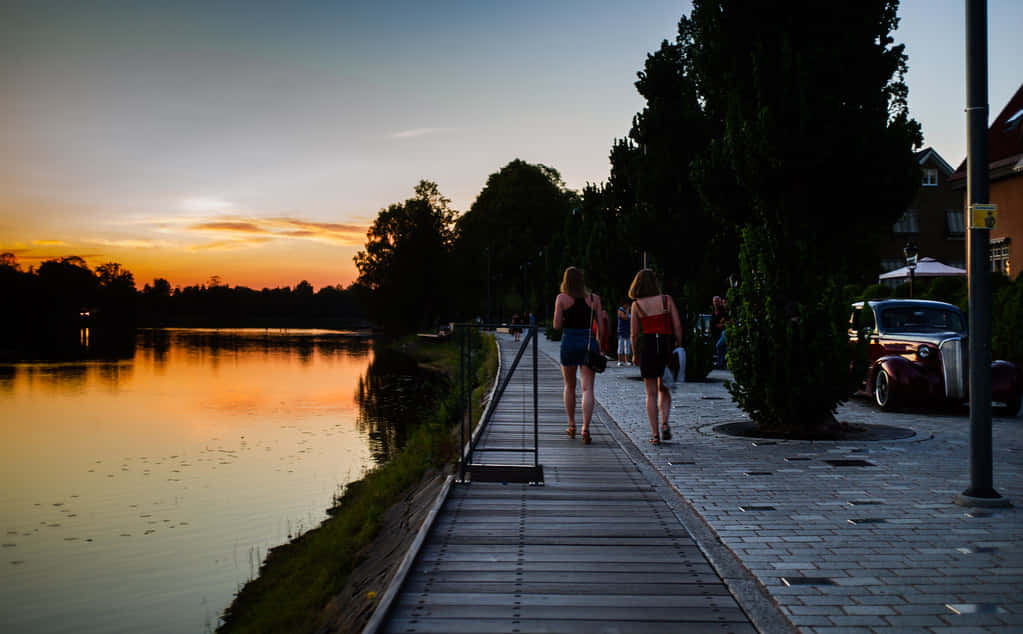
(284, 228)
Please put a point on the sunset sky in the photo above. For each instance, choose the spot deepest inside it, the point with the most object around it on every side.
(257, 141)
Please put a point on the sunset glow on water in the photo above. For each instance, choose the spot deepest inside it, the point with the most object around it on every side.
(139, 494)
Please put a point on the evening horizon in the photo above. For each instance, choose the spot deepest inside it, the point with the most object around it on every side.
(191, 141)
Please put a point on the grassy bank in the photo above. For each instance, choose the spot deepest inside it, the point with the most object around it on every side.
(300, 577)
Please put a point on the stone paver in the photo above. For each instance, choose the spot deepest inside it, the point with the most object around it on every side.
(898, 550)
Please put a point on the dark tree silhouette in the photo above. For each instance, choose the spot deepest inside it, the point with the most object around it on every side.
(406, 260)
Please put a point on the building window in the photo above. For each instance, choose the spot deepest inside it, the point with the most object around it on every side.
(930, 177)
(907, 224)
(955, 223)
(1000, 256)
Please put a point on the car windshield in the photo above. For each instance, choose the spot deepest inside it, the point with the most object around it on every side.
(921, 319)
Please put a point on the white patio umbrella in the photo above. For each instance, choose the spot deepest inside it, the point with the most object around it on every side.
(926, 267)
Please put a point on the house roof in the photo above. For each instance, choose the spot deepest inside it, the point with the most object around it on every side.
(927, 153)
(1004, 139)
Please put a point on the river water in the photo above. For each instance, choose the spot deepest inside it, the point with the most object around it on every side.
(139, 491)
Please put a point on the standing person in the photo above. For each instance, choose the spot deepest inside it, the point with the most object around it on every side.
(515, 329)
(662, 331)
(574, 311)
(624, 333)
(718, 320)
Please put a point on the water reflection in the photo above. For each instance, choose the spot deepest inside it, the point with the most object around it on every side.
(394, 396)
(154, 478)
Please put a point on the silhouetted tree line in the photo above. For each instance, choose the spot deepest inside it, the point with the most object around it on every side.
(48, 306)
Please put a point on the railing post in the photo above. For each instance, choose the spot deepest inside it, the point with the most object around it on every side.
(461, 425)
(536, 403)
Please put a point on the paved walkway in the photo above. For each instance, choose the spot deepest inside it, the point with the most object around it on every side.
(879, 547)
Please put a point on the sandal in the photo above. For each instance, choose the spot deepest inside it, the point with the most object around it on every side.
(586, 437)
(570, 431)
(665, 432)
(655, 441)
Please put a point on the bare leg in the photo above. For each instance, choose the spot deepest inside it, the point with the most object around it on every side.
(651, 404)
(665, 403)
(587, 380)
(568, 373)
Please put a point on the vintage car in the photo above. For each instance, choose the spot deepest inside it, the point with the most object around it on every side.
(915, 351)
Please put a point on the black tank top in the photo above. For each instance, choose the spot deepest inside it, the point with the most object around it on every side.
(578, 314)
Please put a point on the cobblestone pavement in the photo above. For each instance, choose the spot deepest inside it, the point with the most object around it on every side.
(881, 547)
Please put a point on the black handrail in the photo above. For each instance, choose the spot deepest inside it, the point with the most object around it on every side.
(468, 447)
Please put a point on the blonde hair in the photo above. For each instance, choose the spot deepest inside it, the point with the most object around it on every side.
(644, 285)
(572, 283)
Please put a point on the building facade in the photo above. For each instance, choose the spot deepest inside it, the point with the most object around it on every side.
(1005, 176)
(933, 221)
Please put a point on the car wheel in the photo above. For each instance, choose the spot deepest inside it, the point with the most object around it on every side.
(1011, 408)
(884, 398)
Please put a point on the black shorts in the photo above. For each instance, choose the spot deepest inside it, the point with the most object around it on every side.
(654, 351)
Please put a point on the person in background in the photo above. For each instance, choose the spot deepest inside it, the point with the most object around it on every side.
(658, 317)
(516, 330)
(718, 320)
(624, 334)
(574, 312)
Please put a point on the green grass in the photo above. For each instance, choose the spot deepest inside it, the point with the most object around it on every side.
(299, 578)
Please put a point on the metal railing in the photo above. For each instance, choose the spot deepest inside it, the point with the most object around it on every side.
(477, 472)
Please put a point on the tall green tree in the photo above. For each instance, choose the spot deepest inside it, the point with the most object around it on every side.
(504, 246)
(405, 264)
(814, 159)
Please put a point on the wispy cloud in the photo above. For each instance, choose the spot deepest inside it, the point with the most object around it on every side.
(231, 226)
(243, 230)
(414, 132)
(49, 243)
(230, 245)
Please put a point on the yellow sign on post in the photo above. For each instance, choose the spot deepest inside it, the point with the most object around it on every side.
(983, 216)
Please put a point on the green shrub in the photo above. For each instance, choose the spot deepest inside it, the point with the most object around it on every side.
(901, 291)
(699, 356)
(877, 291)
(787, 345)
(1006, 319)
(946, 289)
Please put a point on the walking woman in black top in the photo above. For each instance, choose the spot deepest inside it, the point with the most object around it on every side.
(574, 310)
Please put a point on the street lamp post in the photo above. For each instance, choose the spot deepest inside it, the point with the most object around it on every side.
(910, 251)
(981, 491)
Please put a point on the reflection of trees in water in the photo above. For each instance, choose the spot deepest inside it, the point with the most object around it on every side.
(394, 397)
(7, 374)
(218, 343)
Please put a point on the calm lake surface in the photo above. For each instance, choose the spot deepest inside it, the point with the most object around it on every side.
(138, 494)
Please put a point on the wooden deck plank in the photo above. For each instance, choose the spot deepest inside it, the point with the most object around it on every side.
(596, 549)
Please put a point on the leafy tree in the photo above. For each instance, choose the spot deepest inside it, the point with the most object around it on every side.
(505, 239)
(802, 97)
(405, 263)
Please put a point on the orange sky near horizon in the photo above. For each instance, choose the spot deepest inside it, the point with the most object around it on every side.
(191, 242)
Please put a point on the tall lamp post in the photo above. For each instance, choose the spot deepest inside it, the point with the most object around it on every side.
(910, 251)
(981, 491)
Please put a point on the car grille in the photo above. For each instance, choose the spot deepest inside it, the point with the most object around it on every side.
(954, 364)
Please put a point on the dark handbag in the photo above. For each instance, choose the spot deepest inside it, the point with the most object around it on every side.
(593, 359)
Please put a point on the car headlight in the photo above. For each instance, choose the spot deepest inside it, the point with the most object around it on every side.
(924, 352)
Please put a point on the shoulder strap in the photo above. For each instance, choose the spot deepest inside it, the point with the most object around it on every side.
(664, 300)
(639, 308)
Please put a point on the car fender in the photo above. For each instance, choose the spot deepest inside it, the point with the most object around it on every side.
(902, 371)
(1006, 380)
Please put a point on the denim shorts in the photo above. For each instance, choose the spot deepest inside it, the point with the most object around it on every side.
(573, 345)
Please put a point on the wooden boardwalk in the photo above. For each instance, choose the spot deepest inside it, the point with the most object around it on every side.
(596, 549)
